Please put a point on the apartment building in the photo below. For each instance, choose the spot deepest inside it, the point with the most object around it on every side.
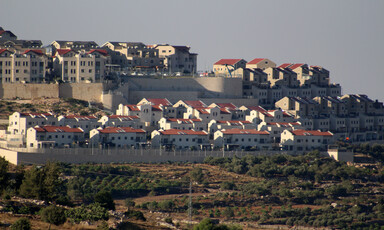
(54, 136)
(214, 125)
(242, 139)
(120, 137)
(181, 124)
(19, 123)
(7, 35)
(331, 106)
(298, 107)
(72, 66)
(282, 77)
(75, 45)
(177, 58)
(134, 56)
(225, 67)
(180, 139)
(86, 123)
(121, 121)
(305, 140)
(29, 66)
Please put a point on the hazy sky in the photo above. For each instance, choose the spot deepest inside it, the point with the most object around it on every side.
(344, 36)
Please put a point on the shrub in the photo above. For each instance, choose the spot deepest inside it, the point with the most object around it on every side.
(21, 224)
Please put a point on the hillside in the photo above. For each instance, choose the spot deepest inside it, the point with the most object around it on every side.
(250, 192)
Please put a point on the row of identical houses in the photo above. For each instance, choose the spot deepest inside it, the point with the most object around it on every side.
(264, 80)
(296, 124)
(86, 61)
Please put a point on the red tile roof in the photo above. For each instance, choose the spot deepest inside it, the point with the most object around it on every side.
(121, 130)
(255, 61)
(39, 52)
(227, 105)
(202, 110)
(301, 132)
(182, 132)
(157, 108)
(224, 111)
(57, 129)
(244, 131)
(101, 51)
(3, 50)
(80, 117)
(285, 65)
(194, 104)
(133, 107)
(227, 61)
(296, 66)
(183, 120)
(159, 101)
(63, 51)
(123, 117)
(256, 108)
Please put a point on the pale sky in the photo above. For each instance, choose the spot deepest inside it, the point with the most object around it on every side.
(344, 36)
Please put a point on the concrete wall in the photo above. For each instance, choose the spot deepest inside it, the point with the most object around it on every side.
(9, 155)
(82, 91)
(28, 91)
(74, 155)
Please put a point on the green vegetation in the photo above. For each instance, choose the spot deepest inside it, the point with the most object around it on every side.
(21, 224)
(306, 190)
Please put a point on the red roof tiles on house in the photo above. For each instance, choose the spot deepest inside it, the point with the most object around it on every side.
(244, 131)
(182, 132)
(80, 117)
(255, 61)
(39, 52)
(301, 132)
(159, 101)
(194, 104)
(133, 107)
(63, 51)
(123, 117)
(227, 61)
(3, 50)
(285, 65)
(296, 66)
(101, 51)
(57, 129)
(121, 130)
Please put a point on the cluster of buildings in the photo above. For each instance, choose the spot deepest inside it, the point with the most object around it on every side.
(28, 61)
(296, 124)
(264, 80)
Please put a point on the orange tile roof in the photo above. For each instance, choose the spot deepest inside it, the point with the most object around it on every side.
(182, 132)
(57, 129)
(121, 130)
(244, 131)
(227, 61)
(256, 60)
(301, 132)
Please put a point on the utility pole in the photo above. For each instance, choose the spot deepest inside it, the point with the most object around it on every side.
(190, 201)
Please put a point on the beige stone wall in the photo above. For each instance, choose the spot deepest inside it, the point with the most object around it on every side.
(82, 91)
(9, 155)
(28, 91)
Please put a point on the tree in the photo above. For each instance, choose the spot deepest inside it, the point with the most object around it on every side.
(105, 200)
(53, 215)
(42, 183)
(228, 212)
(197, 175)
(129, 203)
(3, 174)
(21, 224)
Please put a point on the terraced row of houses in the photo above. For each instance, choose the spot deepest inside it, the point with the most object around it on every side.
(85, 61)
(296, 124)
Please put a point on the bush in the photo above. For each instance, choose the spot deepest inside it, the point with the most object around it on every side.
(21, 224)
(53, 215)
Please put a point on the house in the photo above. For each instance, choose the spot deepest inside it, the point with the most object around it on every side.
(121, 137)
(134, 56)
(181, 124)
(180, 139)
(128, 110)
(225, 67)
(54, 136)
(260, 63)
(214, 125)
(282, 77)
(300, 140)
(331, 106)
(86, 123)
(177, 59)
(242, 139)
(299, 107)
(276, 128)
(29, 66)
(74, 66)
(181, 106)
(75, 45)
(6, 35)
(20, 46)
(121, 121)
(359, 104)
(19, 123)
